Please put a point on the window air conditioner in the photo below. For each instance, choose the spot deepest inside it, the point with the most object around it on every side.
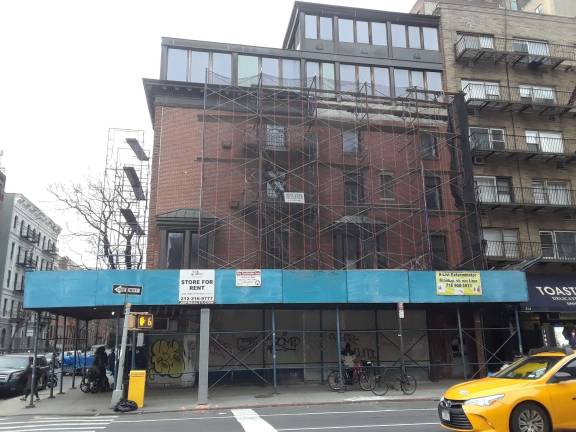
(478, 160)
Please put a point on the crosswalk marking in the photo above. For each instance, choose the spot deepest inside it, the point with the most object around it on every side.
(251, 421)
(40, 424)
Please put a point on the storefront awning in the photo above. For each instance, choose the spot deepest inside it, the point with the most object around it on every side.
(548, 293)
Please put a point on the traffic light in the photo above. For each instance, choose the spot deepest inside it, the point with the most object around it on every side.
(141, 321)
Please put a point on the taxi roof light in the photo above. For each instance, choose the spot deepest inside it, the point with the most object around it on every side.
(566, 351)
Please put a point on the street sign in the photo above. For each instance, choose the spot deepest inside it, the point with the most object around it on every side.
(127, 289)
(401, 310)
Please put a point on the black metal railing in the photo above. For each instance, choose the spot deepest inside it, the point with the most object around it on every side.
(524, 95)
(17, 315)
(30, 235)
(516, 48)
(520, 251)
(485, 141)
(547, 195)
(27, 261)
(51, 250)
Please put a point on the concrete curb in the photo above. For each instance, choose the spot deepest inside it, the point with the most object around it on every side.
(200, 408)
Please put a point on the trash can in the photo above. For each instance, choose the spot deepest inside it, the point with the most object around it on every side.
(137, 386)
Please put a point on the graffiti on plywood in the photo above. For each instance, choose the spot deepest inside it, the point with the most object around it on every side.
(167, 358)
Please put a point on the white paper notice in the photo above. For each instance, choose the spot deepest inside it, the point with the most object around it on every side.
(197, 286)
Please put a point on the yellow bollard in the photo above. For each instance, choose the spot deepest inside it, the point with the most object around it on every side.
(137, 386)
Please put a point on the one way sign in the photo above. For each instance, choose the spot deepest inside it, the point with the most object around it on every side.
(127, 289)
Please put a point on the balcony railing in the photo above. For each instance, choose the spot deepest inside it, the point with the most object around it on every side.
(523, 99)
(51, 250)
(534, 197)
(27, 262)
(519, 251)
(17, 316)
(544, 147)
(30, 235)
(541, 55)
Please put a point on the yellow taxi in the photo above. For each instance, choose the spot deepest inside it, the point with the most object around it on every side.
(535, 394)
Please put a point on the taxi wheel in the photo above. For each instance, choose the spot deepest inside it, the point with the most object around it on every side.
(530, 417)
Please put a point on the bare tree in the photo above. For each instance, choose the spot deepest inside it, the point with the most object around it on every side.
(99, 209)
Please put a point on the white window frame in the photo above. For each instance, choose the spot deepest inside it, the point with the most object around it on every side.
(546, 191)
(478, 41)
(481, 89)
(490, 132)
(507, 246)
(546, 141)
(491, 192)
(538, 48)
(535, 93)
(556, 252)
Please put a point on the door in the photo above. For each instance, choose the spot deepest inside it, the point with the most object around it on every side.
(539, 191)
(547, 244)
(494, 244)
(511, 249)
(504, 190)
(566, 244)
(563, 398)
(551, 142)
(559, 193)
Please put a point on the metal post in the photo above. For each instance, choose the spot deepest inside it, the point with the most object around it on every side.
(203, 356)
(520, 344)
(85, 351)
(118, 392)
(52, 363)
(321, 348)
(75, 353)
(274, 350)
(339, 348)
(133, 352)
(34, 377)
(116, 351)
(461, 338)
(377, 337)
(62, 356)
(401, 336)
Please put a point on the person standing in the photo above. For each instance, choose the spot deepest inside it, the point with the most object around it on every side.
(28, 378)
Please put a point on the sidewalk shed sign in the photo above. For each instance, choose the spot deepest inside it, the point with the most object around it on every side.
(248, 278)
(196, 286)
(127, 289)
(294, 197)
(458, 283)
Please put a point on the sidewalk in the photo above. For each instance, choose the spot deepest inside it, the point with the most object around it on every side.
(76, 403)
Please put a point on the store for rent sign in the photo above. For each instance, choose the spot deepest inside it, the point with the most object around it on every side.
(196, 287)
(458, 283)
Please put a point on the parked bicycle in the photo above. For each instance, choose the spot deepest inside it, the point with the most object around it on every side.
(358, 374)
(91, 383)
(381, 382)
(52, 380)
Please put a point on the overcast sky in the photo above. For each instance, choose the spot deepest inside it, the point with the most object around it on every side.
(73, 69)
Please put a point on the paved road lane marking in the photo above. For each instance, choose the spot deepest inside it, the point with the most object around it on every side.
(359, 427)
(252, 422)
(37, 424)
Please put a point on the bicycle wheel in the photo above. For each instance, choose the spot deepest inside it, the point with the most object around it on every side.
(85, 386)
(365, 380)
(380, 386)
(334, 381)
(408, 384)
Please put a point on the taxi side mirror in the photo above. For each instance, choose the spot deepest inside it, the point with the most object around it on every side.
(561, 377)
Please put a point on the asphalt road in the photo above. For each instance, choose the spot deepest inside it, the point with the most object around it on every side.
(366, 417)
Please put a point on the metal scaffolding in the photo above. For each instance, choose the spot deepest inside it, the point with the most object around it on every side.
(303, 176)
(124, 216)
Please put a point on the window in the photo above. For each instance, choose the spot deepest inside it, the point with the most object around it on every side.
(430, 37)
(545, 142)
(570, 368)
(276, 247)
(11, 307)
(325, 28)
(558, 244)
(275, 137)
(12, 251)
(175, 250)
(487, 138)
(422, 80)
(312, 70)
(539, 9)
(222, 68)
(199, 65)
(381, 85)
(22, 227)
(345, 30)
(275, 183)
(350, 141)
(362, 33)
(551, 192)
(4, 307)
(15, 281)
(327, 79)
(476, 41)
(481, 89)
(428, 145)
(537, 94)
(291, 72)
(199, 249)
(22, 282)
(247, 70)
(399, 36)
(386, 185)
(501, 243)
(401, 81)
(433, 195)
(270, 71)
(414, 37)
(433, 81)
(177, 67)
(532, 47)
(359, 249)
(15, 222)
(493, 189)
(347, 77)
(379, 36)
(353, 188)
(365, 78)
(8, 279)
(311, 27)
(439, 254)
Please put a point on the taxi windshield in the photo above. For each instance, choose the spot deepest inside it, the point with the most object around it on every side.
(530, 368)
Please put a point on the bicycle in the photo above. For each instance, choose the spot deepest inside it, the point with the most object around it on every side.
(357, 374)
(403, 382)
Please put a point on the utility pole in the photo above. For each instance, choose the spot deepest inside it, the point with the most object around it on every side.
(118, 392)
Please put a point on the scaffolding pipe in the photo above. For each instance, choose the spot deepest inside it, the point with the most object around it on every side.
(34, 362)
(339, 348)
(401, 336)
(85, 351)
(274, 350)
(53, 362)
(75, 354)
(62, 356)
(461, 339)
(520, 344)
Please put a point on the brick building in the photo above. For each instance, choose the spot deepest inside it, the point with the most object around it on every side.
(517, 70)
